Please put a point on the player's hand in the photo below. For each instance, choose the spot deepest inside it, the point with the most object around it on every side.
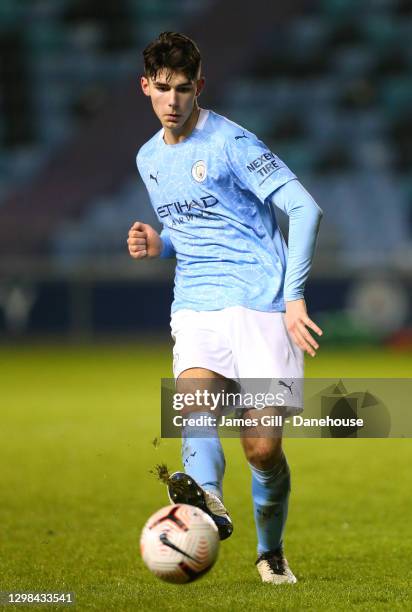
(144, 241)
(297, 322)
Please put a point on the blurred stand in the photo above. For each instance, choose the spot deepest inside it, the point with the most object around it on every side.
(326, 84)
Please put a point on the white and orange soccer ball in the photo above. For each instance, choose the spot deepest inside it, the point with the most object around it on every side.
(179, 543)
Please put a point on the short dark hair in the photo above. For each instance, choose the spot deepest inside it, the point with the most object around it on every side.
(174, 52)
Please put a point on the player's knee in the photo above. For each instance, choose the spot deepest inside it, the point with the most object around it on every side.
(263, 453)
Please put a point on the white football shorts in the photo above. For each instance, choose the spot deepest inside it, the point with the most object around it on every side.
(240, 343)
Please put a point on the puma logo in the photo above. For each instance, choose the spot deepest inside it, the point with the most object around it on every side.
(186, 461)
(283, 384)
(243, 136)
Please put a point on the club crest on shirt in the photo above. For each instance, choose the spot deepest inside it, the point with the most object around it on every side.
(199, 171)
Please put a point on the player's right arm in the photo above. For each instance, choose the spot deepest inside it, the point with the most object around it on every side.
(144, 241)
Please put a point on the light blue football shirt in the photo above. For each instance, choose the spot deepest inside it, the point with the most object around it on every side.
(209, 193)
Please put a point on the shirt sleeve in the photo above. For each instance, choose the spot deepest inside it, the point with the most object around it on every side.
(304, 219)
(254, 166)
(168, 249)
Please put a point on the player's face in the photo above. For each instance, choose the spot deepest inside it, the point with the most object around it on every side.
(173, 97)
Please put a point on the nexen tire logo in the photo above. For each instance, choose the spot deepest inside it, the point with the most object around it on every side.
(264, 164)
(167, 210)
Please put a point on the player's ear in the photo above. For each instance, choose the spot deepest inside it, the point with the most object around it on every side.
(200, 83)
(144, 82)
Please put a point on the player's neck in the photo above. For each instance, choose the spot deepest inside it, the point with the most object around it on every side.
(176, 136)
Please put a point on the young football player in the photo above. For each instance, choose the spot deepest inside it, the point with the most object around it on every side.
(239, 310)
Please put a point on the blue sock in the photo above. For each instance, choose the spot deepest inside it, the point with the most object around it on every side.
(270, 491)
(202, 456)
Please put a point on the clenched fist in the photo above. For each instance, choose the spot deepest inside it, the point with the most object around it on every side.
(144, 241)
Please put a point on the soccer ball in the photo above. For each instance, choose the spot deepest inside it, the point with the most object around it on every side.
(179, 543)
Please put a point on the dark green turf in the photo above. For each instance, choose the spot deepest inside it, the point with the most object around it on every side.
(77, 426)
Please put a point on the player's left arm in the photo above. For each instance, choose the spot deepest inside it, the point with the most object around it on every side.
(304, 219)
(259, 170)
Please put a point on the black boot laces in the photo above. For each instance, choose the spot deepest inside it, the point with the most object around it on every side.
(275, 560)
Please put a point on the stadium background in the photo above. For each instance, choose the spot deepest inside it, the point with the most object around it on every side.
(84, 329)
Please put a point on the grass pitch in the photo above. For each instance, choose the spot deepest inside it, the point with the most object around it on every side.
(76, 450)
